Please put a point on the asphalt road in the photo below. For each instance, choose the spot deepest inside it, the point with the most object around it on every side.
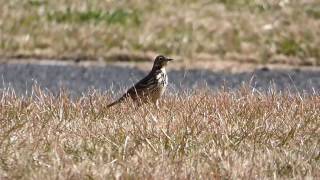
(79, 79)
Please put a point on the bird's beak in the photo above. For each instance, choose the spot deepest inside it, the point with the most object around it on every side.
(169, 59)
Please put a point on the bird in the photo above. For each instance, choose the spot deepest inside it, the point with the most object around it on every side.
(151, 87)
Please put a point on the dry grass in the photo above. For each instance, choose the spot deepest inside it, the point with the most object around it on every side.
(229, 135)
(272, 31)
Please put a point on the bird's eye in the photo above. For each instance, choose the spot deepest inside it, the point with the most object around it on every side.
(160, 58)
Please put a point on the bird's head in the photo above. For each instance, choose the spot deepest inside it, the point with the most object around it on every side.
(161, 61)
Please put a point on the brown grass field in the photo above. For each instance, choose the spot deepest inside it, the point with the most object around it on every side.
(241, 134)
(257, 31)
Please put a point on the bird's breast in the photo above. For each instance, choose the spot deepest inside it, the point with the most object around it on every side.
(162, 78)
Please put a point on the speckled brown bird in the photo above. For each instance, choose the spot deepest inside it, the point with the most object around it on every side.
(150, 88)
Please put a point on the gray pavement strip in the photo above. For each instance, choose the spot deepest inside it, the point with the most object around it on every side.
(78, 79)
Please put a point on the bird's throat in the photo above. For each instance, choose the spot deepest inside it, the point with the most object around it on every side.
(163, 69)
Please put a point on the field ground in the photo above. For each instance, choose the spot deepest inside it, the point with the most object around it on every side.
(202, 134)
(263, 32)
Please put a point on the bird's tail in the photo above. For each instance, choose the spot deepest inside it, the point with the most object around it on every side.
(117, 101)
(112, 104)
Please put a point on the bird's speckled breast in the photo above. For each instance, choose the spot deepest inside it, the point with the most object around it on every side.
(162, 81)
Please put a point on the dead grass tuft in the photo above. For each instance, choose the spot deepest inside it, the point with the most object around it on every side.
(203, 134)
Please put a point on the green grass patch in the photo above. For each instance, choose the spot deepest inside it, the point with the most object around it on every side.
(251, 5)
(118, 16)
(313, 11)
(290, 47)
(37, 3)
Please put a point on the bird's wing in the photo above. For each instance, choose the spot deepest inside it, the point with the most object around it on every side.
(145, 84)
